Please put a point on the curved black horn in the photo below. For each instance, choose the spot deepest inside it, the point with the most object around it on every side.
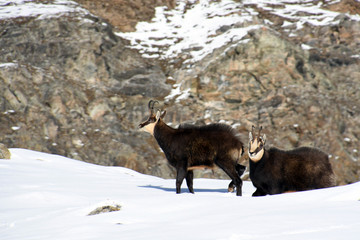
(153, 103)
(260, 128)
(252, 131)
(149, 105)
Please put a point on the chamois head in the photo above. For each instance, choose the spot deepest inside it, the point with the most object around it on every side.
(149, 124)
(256, 145)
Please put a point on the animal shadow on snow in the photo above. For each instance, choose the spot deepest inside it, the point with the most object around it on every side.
(185, 190)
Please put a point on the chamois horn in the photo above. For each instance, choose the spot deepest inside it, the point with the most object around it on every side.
(151, 105)
(252, 132)
(260, 128)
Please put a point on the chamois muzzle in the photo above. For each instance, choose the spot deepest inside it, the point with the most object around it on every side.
(256, 143)
(151, 114)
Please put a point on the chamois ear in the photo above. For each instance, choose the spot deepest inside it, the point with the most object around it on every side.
(263, 138)
(251, 136)
(157, 115)
(163, 114)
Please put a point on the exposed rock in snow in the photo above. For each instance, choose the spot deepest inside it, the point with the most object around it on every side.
(4, 152)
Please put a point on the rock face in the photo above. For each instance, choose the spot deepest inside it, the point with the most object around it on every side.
(294, 99)
(71, 86)
(125, 14)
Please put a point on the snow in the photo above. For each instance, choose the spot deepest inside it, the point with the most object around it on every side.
(28, 8)
(198, 27)
(46, 196)
(8, 65)
(194, 28)
(15, 128)
(306, 47)
(178, 94)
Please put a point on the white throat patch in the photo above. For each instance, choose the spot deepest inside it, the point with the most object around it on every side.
(255, 157)
(149, 128)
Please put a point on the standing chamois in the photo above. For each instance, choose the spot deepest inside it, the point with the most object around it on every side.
(189, 147)
(277, 171)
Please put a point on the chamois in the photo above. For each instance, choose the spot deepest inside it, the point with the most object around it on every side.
(277, 171)
(189, 147)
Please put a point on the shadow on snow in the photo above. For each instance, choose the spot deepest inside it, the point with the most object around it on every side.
(184, 190)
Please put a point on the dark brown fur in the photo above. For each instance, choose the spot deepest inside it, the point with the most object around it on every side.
(300, 169)
(190, 146)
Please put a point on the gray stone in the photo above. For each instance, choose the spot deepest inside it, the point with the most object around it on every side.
(4, 152)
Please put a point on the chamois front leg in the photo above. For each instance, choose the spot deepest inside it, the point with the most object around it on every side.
(189, 180)
(180, 175)
(238, 185)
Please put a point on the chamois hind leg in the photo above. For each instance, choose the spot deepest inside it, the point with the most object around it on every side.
(240, 169)
(229, 168)
(180, 175)
(189, 180)
(231, 187)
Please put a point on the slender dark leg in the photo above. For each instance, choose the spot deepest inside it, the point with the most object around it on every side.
(181, 173)
(189, 180)
(229, 168)
(240, 169)
(239, 188)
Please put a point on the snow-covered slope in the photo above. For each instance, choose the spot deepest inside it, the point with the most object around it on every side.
(45, 196)
(193, 28)
(197, 28)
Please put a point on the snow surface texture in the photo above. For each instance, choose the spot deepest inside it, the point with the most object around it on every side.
(44, 196)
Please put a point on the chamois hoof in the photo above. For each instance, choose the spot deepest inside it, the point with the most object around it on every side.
(231, 189)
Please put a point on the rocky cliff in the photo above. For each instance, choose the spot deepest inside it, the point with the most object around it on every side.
(77, 84)
(71, 87)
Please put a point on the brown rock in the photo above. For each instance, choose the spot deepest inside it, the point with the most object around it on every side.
(4, 152)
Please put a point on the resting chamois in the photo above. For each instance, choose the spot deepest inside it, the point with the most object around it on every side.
(277, 171)
(189, 147)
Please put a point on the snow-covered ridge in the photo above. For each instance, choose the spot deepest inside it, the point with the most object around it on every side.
(199, 27)
(301, 12)
(195, 28)
(44, 196)
(30, 8)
